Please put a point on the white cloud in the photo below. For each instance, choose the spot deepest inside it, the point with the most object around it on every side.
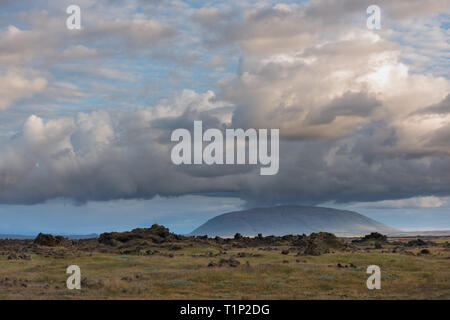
(16, 84)
(411, 203)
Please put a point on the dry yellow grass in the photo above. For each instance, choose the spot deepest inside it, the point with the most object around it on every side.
(269, 276)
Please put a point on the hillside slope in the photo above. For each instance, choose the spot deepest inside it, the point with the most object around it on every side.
(282, 220)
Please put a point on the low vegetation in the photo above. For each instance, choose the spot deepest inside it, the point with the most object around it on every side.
(152, 263)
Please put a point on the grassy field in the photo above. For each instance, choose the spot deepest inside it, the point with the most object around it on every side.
(269, 274)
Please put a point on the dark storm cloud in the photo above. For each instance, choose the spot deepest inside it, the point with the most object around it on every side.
(353, 168)
(86, 163)
(89, 159)
(442, 107)
(349, 104)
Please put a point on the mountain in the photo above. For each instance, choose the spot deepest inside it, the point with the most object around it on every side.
(16, 237)
(70, 236)
(282, 220)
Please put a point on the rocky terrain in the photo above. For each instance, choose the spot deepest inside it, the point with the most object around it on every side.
(155, 263)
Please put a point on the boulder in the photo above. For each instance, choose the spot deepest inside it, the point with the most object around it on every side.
(373, 237)
(416, 243)
(154, 234)
(48, 240)
(318, 243)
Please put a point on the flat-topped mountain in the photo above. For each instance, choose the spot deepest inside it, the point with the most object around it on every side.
(283, 220)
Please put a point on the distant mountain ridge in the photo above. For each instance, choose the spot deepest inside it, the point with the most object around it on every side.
(282, 220)
(16, 237)
(28, 237)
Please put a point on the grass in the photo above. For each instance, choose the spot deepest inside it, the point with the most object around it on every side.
(113, 276)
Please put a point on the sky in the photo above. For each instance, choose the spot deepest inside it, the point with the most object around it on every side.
(86, 115)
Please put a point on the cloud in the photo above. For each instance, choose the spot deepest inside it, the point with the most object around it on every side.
(348, 105)
(411, 203)
(358, 120)
(136, 33)
(47, 40)
(16, 84)
(99, 155)
(441, 108)
(21, 46)
(79, 52)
